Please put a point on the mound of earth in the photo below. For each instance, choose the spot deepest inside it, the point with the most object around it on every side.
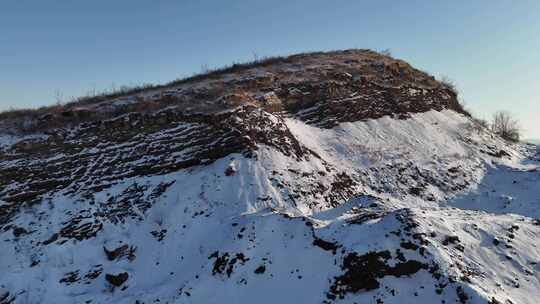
(340, 177)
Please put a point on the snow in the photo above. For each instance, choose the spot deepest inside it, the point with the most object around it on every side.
(123, 102)
(8, 140)
(205, 211)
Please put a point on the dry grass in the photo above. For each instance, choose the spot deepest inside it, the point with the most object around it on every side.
(124, 91)
(20, 118)
(233, 68)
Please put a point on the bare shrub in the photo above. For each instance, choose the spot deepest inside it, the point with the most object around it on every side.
(386, 52)
(451, 86)
(484, 124)
(506, 126)
(448, 83)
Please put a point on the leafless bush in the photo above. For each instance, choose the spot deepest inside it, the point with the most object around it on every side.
(386, 52)
(449, 84)
(506, 126)
(484, 124)
(478, 125)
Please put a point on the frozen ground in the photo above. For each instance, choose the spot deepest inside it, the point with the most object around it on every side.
(431, 209)
(505, 188)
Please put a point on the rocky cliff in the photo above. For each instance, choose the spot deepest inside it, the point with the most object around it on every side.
(340, 177)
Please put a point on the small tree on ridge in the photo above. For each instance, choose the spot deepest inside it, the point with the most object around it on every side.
(506, 126)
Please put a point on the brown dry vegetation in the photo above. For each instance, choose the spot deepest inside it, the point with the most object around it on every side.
(128, 91)
(76, 111)
(57, 109)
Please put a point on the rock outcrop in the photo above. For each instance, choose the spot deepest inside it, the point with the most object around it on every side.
(339, 177)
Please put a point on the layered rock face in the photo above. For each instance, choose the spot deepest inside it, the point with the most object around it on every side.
(316, 178)
(336, 87)
(197, 123)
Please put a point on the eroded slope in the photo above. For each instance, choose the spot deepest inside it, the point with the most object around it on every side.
(331, 180)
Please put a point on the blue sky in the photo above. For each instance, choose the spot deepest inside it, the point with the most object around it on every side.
(488, 47)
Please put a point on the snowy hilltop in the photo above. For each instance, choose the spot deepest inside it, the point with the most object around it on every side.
(339, 177)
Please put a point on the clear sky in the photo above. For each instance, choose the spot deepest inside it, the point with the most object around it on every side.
(490, 48)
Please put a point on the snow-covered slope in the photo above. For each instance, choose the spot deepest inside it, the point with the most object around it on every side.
(250, 205)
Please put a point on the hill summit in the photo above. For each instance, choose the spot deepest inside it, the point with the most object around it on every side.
(338, 177)
(346, 85)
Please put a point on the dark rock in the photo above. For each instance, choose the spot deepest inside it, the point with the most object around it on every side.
(362, 273)
(494, 301)
(52, 239)
(159, 235)
(19, 231)
(409, 245)
(328, 246)
(260, 270)
(117, 279)
(502, 153)
(225, 264)
(450, 240)
(462, 296)
(122, 251)
(417, 191)
(70, 278)
(6, 297)
(230, 171)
